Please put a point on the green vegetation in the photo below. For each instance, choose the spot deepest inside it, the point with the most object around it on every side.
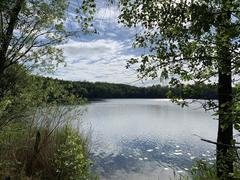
(70, 159)
(192, 41)
(92, 90)
(50, 150)
(36, 137)
(187, 42)
(203, 171)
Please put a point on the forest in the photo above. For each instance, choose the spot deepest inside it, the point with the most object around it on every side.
(98, 90)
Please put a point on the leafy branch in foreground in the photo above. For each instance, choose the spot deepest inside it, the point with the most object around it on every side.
(192, 41)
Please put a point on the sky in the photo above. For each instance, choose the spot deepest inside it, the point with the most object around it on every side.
(103, 56)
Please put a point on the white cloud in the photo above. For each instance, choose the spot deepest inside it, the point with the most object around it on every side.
(92, 50)
(102, 56)
(98, 60)
(109, 13)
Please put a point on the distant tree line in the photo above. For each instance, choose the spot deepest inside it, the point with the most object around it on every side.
(92, 90)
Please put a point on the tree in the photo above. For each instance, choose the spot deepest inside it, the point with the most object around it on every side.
(30, 31)
(192, 41)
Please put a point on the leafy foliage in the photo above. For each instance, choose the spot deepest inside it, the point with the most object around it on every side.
(181, 38)
(62, 152)
(191, 41)
(29, 92)
(30, 32)
(92, 90)
(37, 27)
(70, 158)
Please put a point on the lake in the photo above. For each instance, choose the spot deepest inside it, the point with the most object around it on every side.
(147, 138)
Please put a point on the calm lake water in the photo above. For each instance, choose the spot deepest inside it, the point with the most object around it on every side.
(147, 138)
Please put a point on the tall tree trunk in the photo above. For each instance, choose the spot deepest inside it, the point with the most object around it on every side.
(7, 37)
(225, 127)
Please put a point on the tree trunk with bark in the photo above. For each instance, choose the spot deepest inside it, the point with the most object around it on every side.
(6, 39)
(225, 127)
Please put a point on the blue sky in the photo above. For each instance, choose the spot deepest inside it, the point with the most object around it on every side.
(102, 56)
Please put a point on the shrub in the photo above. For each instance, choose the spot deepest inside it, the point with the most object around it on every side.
(70, 159)
(46, 147)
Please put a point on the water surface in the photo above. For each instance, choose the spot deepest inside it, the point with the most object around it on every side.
(147, 138)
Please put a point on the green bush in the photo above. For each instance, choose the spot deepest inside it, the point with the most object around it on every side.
(61, 153)
(203, 171)
(70, 159)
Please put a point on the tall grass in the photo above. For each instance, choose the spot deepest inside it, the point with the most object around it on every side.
(203, 171)
(45, 146)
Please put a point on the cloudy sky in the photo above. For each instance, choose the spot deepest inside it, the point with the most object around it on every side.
(102, 56)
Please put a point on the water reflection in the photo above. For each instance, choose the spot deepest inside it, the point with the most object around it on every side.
(147, 139)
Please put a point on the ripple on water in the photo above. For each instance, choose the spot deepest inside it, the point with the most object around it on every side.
(192, 157)
(147, 148)
(150, 150)
(178, 150)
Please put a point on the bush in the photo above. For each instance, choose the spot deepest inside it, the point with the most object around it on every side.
(70, 158)
(203, 171)
(46, 147)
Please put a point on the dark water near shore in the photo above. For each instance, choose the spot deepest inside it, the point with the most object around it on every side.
(147, 138)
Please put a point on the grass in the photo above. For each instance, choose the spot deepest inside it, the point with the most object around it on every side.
(45, 146)
(203, 171)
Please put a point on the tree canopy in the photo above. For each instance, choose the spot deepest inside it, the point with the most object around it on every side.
(183, 37)
(192, 41)
(31, 30)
